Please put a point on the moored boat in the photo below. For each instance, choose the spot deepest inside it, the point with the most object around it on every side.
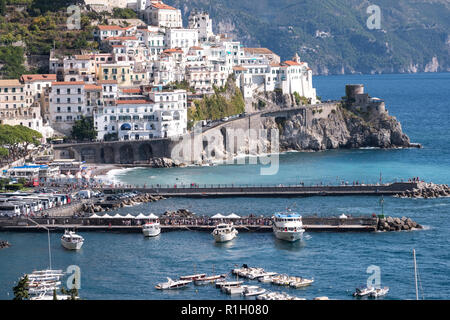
(224, 232)
(300, 282)
(152, 228)
(220, 284)
(193, 276)
(72, 241)
(379, 292)
(253, 291)
(363, 291)
(210, 279)
(172, 284)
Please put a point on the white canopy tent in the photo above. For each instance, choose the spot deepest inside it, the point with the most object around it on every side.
(95, 216)
(118, 216)
(129, 216)
(343, 216)
(152, 216)
(233, 216)
(141, 216)
(218, 216)
(106, 216)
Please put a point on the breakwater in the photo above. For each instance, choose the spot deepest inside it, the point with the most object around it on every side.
(204, 223)
(217, 190)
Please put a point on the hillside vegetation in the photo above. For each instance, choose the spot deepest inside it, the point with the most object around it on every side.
(332, 35)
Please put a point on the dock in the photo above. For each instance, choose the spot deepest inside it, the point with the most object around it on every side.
(310, 224)
(217, 190)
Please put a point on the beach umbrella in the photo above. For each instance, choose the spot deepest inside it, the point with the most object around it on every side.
(141, 216)
(218, 216)
(233, 216)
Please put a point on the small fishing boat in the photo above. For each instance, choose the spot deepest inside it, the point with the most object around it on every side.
(193, 277)
(220, 284)
(379, 292)
(363, 291)
(71, 241)
(172, 284)
(210, 279)
(224, 232)
(300, 282)
(265, 279)
(253, 291)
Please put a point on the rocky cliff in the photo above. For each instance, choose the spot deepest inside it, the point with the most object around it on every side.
(341, 128)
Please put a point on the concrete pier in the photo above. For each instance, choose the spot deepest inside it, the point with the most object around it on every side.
(217, 190)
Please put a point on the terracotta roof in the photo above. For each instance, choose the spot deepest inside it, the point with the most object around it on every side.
(239, 68)
(83, 57)
(10, 83)
(132, 90)
(176, 50)
(110, 28)
(291, 63)
(38, 77)
(67, 83)
(140, 101)
(121, 38)
(196, 48)
(107, 82)
(92, 87)
(258, 50)
(162, 6)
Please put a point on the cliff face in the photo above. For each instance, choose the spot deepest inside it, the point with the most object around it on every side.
(341, 128)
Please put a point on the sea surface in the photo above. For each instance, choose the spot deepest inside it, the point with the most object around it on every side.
(128, 266)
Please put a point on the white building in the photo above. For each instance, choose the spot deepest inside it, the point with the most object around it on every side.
(201, 22)
(159, 14)
(181, 38)
(157, 114)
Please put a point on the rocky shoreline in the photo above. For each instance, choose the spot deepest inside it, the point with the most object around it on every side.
(4, 244)
(397, 224)
(102, 207)
(426, 191)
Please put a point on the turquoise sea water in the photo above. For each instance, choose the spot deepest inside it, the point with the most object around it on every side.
(127, 266)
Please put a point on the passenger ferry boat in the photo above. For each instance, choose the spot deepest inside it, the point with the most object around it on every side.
(288, 226)
(152, 228)
(72, 241)
(224, 232)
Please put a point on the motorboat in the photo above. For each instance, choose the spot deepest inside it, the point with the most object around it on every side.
(363, 291)
(71, 241)
(152, 228)
(224, 232)
(260, 274)
(210, 279)
(379, 292)
(172, 284)
(193, 277)
(253, 291)
(265, 279)
(288, 226)
(300, 282)
(220, 284)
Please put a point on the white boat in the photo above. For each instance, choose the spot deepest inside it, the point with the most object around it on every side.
(379, 292)
(42, 289)
(253, 291)
(172, 284)
(220, 284)
(363, 291)
(300, 282)
(152, 228)
(210, 279)
(71, 241)
(47, 272)
(49, 296)
(288, 226)
(224, 232)
(193, 276)
(265, 279)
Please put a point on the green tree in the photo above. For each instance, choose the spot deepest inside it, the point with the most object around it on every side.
(83, 129)
(21, 289)
(17, 139)
(2, 7)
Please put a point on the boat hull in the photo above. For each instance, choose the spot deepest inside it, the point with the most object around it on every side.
(71, 245)
(290, 236)
(151, 232)
(224, 237)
